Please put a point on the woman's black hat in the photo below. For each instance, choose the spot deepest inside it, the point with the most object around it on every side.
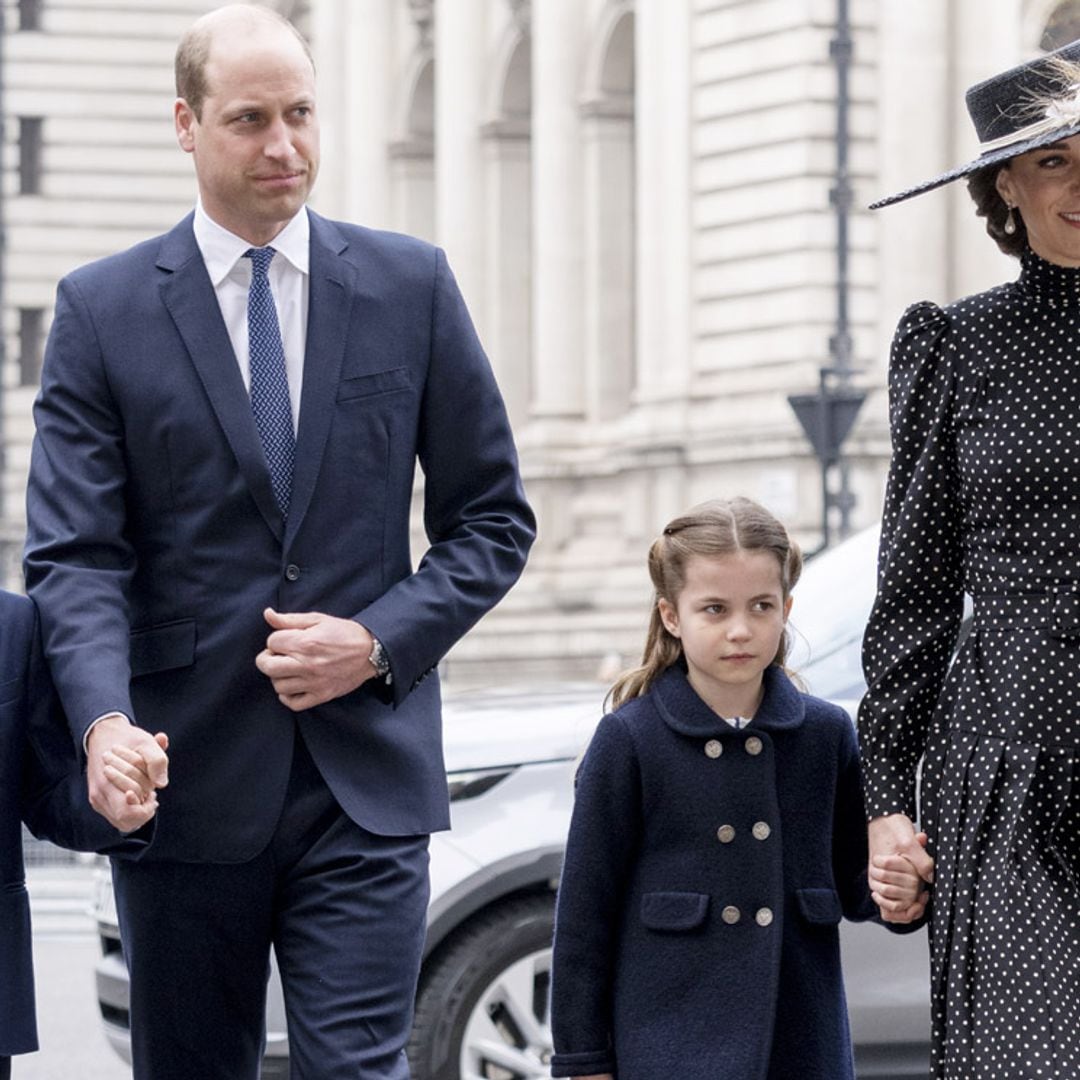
(1019, 110)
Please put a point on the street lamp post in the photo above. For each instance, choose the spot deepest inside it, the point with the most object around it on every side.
(828, 414)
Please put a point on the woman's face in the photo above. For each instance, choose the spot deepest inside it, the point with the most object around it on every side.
(1044, 186)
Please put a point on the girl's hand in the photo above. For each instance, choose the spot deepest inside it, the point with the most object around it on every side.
(597, 1076)
(896, 886)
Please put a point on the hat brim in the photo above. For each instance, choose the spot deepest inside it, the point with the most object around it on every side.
(995, 157)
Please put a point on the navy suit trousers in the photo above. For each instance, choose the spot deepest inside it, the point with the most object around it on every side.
(345, 911)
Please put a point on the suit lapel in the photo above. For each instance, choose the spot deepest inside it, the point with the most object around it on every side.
(189, 296)
(330, 299)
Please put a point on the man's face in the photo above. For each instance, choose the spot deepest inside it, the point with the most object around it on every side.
(256, 145)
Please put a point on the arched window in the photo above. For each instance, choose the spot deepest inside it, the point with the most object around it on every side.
(1062, 26)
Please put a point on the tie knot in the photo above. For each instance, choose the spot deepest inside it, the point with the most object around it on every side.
(260, 259)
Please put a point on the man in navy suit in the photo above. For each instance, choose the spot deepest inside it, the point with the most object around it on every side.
(218, 516)
(40, 782)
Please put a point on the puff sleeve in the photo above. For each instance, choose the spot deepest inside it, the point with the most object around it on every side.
(916, 616)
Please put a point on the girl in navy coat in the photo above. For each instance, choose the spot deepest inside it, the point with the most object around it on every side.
(41, 783)
(717, 839)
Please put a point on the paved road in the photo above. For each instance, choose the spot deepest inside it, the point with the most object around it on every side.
(65, 951)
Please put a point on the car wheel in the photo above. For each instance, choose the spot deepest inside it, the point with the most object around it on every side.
(482, 1010)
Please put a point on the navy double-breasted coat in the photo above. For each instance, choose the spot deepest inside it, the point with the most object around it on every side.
(706, 873)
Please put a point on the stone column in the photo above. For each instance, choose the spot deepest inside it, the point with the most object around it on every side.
(352, 44)
(983, 47)
(662, 117)
(914, 140)
(558, 285)
(461, 73)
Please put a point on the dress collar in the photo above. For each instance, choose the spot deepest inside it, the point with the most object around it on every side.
(781, 709)
(1046, 282)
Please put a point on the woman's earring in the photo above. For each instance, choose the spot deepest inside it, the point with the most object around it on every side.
(1010, 223)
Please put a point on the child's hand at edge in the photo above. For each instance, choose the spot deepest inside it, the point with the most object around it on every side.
(128, 772)
(896, 886)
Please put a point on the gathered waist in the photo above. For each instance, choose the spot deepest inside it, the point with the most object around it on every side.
(1057, 610)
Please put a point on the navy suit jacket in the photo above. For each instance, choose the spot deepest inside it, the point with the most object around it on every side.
(154, 541)
(40, 782)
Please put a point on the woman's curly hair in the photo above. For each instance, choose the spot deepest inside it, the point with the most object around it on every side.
(982, 185)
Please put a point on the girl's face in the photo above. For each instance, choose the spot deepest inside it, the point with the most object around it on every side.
(1045, 186)
(729, 619)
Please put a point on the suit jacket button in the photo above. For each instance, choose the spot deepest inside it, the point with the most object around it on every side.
(753, 745)
(764, 916)
(292, 572)
(761, 830)
(725, 834)
(730, 915)
(713, 748)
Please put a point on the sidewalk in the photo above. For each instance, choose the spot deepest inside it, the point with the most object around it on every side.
(61, 898)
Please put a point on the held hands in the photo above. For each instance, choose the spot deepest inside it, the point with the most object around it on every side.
(312, 658)
(899, 868)
(125, 766)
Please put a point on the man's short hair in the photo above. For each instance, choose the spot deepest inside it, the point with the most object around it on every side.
(193, 52)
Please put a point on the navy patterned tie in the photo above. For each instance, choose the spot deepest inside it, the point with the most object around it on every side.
(269, 381)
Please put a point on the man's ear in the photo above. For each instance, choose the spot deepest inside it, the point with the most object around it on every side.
(186, 122)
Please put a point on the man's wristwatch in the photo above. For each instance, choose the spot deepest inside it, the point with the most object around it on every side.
(379, 660)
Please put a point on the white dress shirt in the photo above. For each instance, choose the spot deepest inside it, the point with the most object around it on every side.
(230, 274)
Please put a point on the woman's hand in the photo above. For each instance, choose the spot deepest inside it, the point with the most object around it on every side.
(899, 868)
(896, 888)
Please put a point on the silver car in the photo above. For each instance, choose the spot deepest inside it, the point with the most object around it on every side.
(482, 1003)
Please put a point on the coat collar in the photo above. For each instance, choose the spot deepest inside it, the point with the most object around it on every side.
(189, 296)
(782, 707)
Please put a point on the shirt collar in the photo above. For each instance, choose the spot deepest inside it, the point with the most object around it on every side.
(221, 249)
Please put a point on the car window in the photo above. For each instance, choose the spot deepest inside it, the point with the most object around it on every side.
(832, 602)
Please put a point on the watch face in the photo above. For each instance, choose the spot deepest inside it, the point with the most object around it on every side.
(378, 659)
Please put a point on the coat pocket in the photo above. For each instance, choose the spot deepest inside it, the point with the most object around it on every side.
(820, 906)
(378, 382)
(674, 911)
(163, 647)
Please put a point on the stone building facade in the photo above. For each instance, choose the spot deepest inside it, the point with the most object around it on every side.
(634, 195)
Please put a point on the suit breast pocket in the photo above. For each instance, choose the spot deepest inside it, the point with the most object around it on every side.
(375, 383)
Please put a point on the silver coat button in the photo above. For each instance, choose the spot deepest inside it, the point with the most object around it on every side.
(763, 916)
(730, 915)
(713, 748)
(725, 834)
(753, 745)
(761, 830)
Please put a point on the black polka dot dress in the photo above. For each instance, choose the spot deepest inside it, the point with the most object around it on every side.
(984, 497)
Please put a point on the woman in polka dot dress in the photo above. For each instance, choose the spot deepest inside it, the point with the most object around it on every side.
(983, 497)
